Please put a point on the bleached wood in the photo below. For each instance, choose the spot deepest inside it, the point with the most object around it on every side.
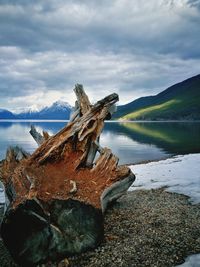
(36, 135)
(82, 99)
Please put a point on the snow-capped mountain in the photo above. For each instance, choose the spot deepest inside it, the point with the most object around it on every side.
(26, 113)
(59, 110)
(32, 109)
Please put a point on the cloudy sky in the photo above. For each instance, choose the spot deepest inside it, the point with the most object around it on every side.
(131, 47)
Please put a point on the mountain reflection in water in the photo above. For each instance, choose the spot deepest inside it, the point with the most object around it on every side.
(132, 142)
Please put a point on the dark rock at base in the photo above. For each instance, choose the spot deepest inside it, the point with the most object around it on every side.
(34, 236)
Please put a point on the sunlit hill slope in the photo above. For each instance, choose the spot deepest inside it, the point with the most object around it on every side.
(178, 102)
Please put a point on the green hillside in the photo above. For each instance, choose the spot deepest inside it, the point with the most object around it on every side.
(178, 102)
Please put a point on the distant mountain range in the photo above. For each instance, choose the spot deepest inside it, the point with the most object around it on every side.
(6, 114)
(57, 111)
(178, 102)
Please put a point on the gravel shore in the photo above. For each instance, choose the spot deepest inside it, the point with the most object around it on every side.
(144, 228)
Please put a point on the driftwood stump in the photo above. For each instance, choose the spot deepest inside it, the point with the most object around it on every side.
(59, 193)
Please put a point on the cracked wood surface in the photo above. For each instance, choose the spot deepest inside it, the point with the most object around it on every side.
(68, 156)
(68, 176)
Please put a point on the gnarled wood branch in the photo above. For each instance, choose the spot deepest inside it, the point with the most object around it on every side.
(59, 193)
(37, 136)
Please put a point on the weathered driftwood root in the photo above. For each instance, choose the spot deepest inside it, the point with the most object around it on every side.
(59, 193)
(37, 136)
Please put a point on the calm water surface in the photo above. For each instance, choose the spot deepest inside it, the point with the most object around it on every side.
(132, 142)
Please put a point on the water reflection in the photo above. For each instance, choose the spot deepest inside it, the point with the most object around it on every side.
(172, 137)
(17, 133)
(131, 142)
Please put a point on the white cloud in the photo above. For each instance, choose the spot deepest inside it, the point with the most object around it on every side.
(134, 48)
(45, 77)
(37, 100)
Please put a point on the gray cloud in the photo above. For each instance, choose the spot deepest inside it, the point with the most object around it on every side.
(132, 47)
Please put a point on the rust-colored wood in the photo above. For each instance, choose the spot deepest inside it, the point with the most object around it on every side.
(63, 169)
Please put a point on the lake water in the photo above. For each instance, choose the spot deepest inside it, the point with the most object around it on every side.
(132, 142)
